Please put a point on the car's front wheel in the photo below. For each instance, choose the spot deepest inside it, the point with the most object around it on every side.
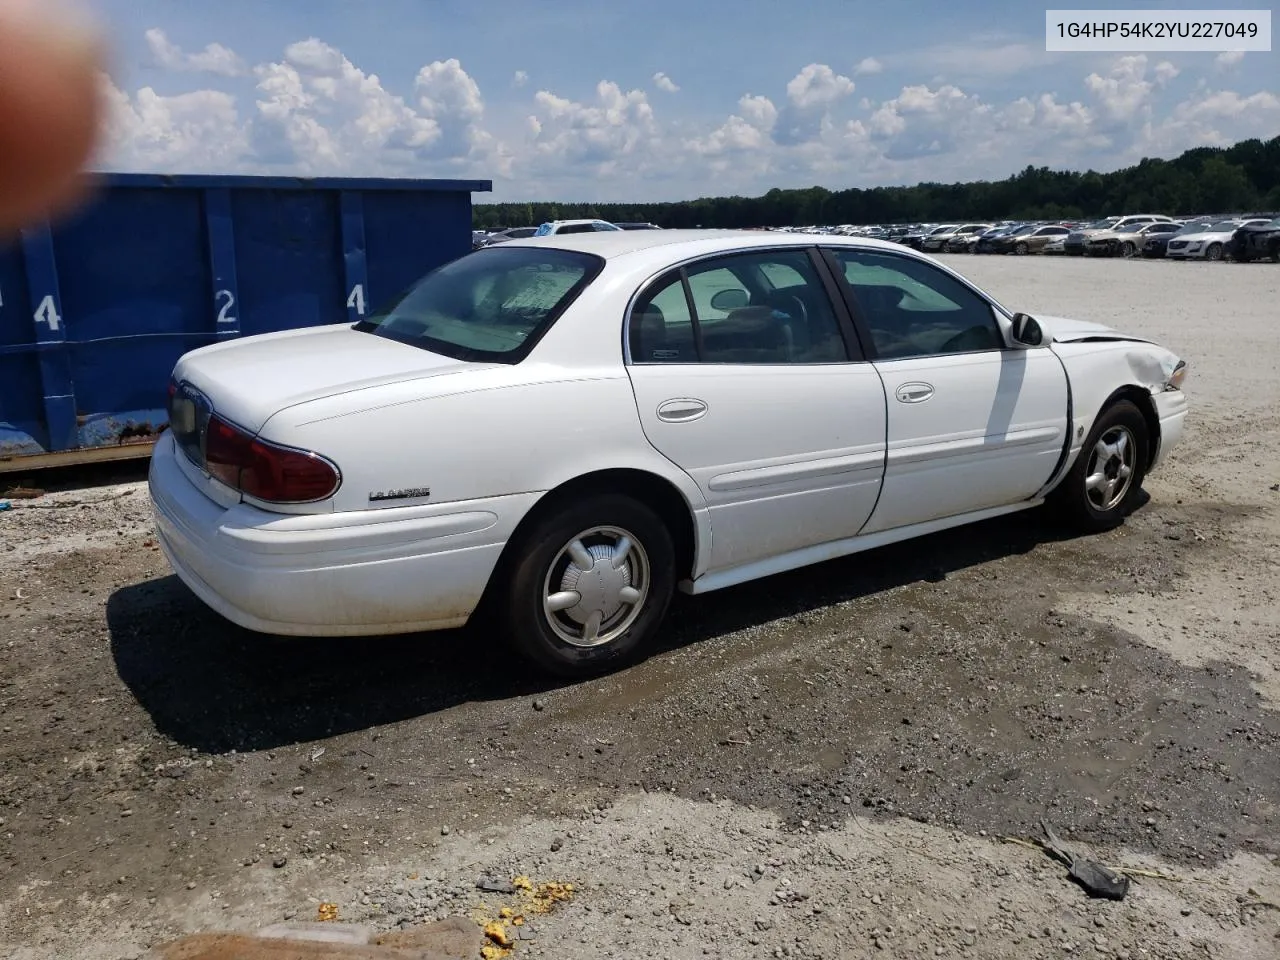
(1104, 483)
(590, 584)
(1127, 249)
(1214, 252)
(1021, 249)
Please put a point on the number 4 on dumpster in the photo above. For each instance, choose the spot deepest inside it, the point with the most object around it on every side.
(356, 299)
(47, 312)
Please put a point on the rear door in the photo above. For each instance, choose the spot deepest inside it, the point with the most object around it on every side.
(746, 375)
(972, 423)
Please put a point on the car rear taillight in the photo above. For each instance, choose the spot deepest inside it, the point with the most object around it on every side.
(264, 470)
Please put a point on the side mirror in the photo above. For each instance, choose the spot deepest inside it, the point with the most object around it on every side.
(1026, 331)
(731, 299)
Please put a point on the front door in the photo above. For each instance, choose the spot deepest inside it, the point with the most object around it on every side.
(972, 423)
(744, 377)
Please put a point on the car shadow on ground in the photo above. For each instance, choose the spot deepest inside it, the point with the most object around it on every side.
(215, 687)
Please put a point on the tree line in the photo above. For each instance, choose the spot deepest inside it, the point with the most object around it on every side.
(1206, 180)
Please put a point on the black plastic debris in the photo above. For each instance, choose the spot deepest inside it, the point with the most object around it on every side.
(1097, 879)
(495, 885)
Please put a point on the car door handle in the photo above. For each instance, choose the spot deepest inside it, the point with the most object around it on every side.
(914, 392)
(681, 410)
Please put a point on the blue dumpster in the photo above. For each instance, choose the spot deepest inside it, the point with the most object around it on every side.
(95, 309)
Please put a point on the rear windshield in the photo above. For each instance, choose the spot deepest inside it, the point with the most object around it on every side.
(489, 305)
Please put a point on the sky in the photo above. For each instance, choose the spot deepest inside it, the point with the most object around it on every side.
(610, 101)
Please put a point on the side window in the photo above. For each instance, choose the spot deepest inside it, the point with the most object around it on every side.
(913, 309)
(746, 319)
(707, 286)
(739, 316)
(781, 275)
(661, 328)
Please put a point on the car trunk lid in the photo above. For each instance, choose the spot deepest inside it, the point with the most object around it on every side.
(248, 381)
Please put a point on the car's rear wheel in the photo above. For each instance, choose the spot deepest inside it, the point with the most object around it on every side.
(589, 584)
(1104, 483)
(1214, 252)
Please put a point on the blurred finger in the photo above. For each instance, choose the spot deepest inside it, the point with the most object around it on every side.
(50, 107)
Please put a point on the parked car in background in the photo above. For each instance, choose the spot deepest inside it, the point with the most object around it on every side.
(915, 240)
(511, 233)
(1210, 244)
(937, 241)
(1034, 240)
(963, 241)
(1154, 246)
(741, 404)
(1126, 241)
(1077, 239)
(556, 227)
(1256, 241)
(986, 239)
(635, 225)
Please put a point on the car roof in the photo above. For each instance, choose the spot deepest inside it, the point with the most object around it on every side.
(686, 243)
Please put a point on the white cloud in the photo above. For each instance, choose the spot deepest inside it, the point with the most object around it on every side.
(194, 132)
(1124, 94)
(1228, 59)
(519, 78)
(818, 85)
(615, 134)
(214, 58)
(811, 95)
(1165, 71)
(664, 83)
(868, 65)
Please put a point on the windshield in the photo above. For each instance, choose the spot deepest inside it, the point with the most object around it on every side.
(1022, 230)
(945, 229)
(493, 304)
(1101, 225)
(1224, 226)
(1193, 228)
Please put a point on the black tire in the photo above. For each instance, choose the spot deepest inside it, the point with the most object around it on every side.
(539, 558)
(1021, 248)
(1275, 253)
(1072, 501)
(1127, 249)
(1214, 252)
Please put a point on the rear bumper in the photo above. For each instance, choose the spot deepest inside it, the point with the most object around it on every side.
(394, 570)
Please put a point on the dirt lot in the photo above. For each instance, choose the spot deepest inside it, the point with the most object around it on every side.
(819, 765)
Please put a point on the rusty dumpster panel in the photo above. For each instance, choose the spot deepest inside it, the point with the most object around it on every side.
(96, 309)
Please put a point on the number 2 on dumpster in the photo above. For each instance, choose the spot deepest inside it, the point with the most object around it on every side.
(224, 315)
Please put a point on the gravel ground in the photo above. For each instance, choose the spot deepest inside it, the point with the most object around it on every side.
(821, 764)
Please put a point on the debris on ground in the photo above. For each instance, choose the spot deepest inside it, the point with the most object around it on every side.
(327, 912)
(23, 493)
(452, 939)
(495, 885)
(1097, 879)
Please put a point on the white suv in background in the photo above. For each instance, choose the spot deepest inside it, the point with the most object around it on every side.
(552, 227)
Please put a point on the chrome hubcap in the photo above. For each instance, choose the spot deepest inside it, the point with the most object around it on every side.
(596, 587)
(1110, 470)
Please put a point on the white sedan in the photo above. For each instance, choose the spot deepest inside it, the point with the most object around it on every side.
(1209, 244)
(563, 431)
